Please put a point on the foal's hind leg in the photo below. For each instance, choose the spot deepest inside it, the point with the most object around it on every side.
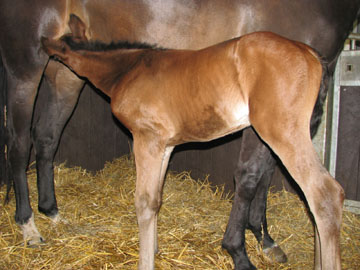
(151, 162)
(58, 103)
(324, 195)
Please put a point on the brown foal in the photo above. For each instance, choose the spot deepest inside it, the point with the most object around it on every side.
(169, 97)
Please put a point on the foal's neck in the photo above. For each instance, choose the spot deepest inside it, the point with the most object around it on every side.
(104, 69)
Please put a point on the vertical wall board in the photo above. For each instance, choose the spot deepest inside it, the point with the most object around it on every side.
(348, 148)
(217, 159)
(92, 136)
(343, 134)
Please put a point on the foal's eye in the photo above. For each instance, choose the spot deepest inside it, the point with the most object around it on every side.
(63, 49)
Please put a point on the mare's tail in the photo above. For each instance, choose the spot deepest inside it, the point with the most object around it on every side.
(3, 132)
(318, 109)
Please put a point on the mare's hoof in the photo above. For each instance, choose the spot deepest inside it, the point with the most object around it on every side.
(35, 242)
(56, 219)
(247, 267)
(31, 235)
(275, 254)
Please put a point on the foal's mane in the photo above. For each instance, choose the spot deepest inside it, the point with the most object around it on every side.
(101, 46)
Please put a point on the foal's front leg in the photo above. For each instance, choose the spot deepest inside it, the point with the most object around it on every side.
(151, 160)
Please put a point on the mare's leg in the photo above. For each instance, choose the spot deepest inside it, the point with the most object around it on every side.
(252, 178)
(257, 222)
(247, 178)
(24, 62)
(21, 96)
(151, 163)
(58, 103)
(3, 91)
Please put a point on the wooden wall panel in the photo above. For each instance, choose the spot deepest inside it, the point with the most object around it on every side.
(217, 159)
(92, 136)
(348, 149)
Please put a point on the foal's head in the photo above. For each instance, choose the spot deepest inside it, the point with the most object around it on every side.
(59, 48)
(100, 63)
(77, 41)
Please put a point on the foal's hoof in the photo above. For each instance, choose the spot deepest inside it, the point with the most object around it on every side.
(275, 254)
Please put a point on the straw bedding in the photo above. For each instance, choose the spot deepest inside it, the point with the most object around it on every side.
(99, 230)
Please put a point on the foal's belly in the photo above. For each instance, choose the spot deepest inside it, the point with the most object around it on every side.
(237, 118)
(214, 122)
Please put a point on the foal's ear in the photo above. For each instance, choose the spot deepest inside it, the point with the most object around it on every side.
(54, 47)
(77, 27)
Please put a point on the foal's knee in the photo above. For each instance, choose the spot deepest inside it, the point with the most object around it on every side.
(146, 206)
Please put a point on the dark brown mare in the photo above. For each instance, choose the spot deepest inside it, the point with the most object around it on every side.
(169, 97)
(323, 24)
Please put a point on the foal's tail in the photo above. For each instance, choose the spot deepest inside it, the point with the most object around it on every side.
(318, 109)
(3, 132)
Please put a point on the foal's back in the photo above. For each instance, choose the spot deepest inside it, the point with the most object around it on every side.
(202, 95)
